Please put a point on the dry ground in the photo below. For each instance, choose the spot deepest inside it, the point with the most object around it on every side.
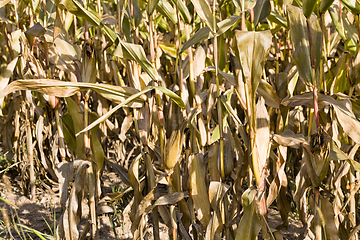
(40, 214)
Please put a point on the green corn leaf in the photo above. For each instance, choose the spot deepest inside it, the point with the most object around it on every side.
(205, 33)
(243, 5)
(96, 148)
(203, 10)
(172, 95)
(262, 9)
(276, 17)
(151, 6)
(352, 5)
(253, 48)
(250, 224)
(184, 11)
(300, 36)
(165, 8)
(308, 7)
(78, 123)
(325, 5)
(136, 53)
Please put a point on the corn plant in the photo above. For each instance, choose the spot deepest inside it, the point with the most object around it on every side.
(233, 107)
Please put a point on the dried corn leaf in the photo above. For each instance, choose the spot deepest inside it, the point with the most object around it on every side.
(198, 190)
(141, 209)
(213, 154)
(135, 183)
(169, 93)
(203, 10)
(5, 77)
(280, 179)
(262, 137)
(302, 183)
(125, 126)
(329, 218)
(289, 139)
(347, 119)
(168, 199)
(66, 89)
(173, 147)
(67, 51)
(308, 158)
(217, 191)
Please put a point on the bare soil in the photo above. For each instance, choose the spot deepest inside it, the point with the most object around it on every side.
(116, 224)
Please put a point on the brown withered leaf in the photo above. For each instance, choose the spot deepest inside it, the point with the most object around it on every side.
(125, 126)
(135, 183)
(262, 137)
(66, 89)
(289, 139)
(217, 191)
(141, 209)
(36, 31)
(280, 179)
(212, 156)
(329, 218)
(309, 161)
(170, 199)
(302, 183)
(173, 147)
(198, 189)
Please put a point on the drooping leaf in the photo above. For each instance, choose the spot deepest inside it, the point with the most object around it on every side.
(262, 9)
(141, 209)
(243, 5)
(184, 11)
(136, 53)
(69, 131)
(276, 17)
(170, 199)
(134, 179)
(67, 51)
(262, 137)
(289, 139)
(269, 94)
(206, 33)
(325, 5)
(165, 8)
(308, 7)
(253, 47)
(96, 148)
(352, 5)
(198, 190)
(66, 89)
(5, 77)
(329, 218)
(151, 6)
(203, 10)
(4, 2)
(78, 10)
(36, 31)
(78, 123)
(299, 33)
(172, 95)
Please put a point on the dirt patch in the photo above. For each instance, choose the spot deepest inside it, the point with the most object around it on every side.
(39, 215)
(114, 224)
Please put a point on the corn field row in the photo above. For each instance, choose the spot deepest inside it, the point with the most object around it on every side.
(232, 106)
